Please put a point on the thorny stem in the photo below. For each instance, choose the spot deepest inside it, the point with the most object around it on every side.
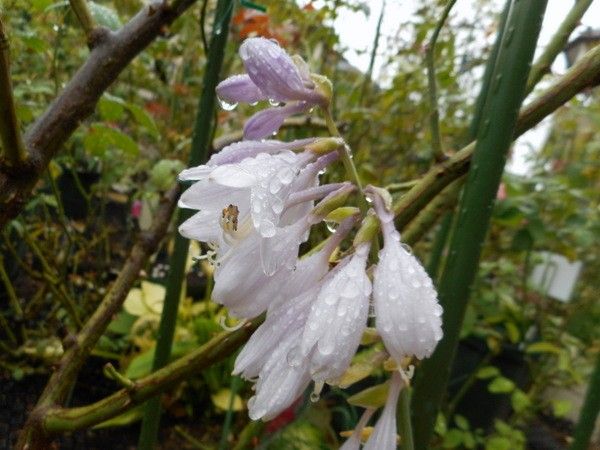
(434, 115)
(10, 135)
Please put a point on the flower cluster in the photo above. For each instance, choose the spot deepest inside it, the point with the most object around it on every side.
(256, 205)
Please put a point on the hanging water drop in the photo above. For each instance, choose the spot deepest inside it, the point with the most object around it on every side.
(226, 105)
(331, 226)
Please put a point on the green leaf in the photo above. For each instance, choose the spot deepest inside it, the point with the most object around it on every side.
(111, 108)
(513, 332)
(561, 408)
(144, 119)
(104, 16)
(522, 241)
(373, 397)
(498, 443)
(122, 323)
(487, 372)
(453, 438)
(164, 173)
(520, 401)
(141, 365)
(501, 385)
(461, 422)
(543, 347)
(101, 138)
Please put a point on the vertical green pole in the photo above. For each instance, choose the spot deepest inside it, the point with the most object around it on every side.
(589, 412)
(198, 154)
(444, 231)
(494, 136)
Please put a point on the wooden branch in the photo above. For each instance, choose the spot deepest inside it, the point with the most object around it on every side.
(78, 348)
(583, 75)
(557, 44)
(84, 16)
(10, 134)
(217, 349)
(111, 53)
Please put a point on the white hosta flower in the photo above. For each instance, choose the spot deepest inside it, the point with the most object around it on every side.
(408, 315)
(279, 383)
(338, 318)
(289, 296)
(281, 320)
(257, 187)
(240, 277)
(384, 434)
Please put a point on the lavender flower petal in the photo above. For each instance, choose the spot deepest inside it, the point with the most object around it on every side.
(239, 88)
(247, 149)
(384, 433)
(273, 71)
(338, 318)
(268, 121)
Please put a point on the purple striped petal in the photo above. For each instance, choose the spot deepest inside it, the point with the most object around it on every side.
(268, 121)
(247, 149)
(273, 71)
(239, 88)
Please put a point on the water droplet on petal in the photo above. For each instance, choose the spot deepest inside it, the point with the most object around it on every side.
(267, 229)
(226, 105)
(294, 357)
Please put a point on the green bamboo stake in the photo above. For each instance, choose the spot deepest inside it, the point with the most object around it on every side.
(198, 154)
(489, 71)
(444, 232)
(589, 412)
(493, 141)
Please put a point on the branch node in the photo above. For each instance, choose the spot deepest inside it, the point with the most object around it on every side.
(113, 374)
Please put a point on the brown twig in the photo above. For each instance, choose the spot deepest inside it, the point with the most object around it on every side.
(10, 135)
(84, 16)
(79, 347)
(110, 54)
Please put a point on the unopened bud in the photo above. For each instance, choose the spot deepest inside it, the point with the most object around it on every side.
(325, 145)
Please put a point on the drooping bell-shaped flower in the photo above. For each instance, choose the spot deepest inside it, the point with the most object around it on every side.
(273, 353)
(270, 74)
(384, 434)
(408, 315)
(279, 383)
(338, 318)
(259, 271)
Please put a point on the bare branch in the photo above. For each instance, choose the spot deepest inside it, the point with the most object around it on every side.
(111, 53)
(78, 347)
(10, 135)
(81, 10)
(557, 44)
